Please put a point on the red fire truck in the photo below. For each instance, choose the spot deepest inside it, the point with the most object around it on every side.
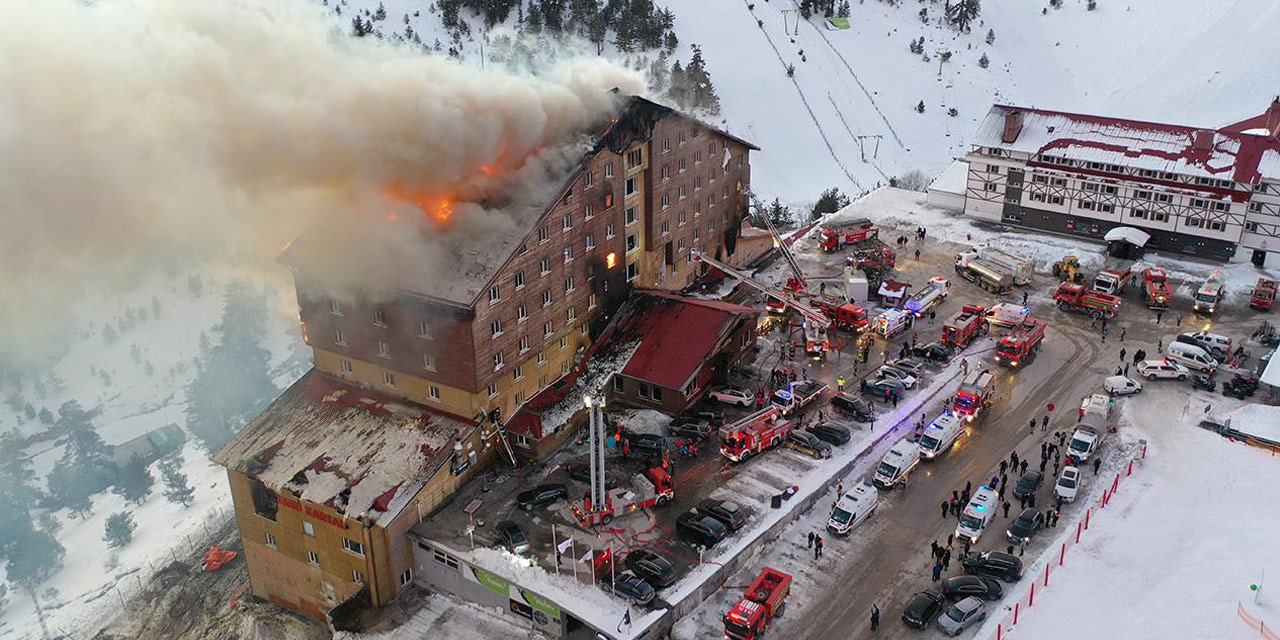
(964, 327)
(654, 488)
(839, 234)
(764, 600)
(1020, 347)
(874, 256)
(1076, 297)
(845, 317)
(1155, 288)
(975, 393)
(753, 434)
(1264, 295)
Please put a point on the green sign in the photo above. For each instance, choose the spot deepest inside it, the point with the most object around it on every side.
(492, 582)
(838, 23)
(541, 604)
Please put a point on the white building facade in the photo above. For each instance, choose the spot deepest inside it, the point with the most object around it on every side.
(1213, 194)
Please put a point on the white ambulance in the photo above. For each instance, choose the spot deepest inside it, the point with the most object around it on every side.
(979, 513)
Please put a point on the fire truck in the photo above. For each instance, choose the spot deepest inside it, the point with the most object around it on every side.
(839, 234)
(765, 599)
(815, 323)
(976, 393)
(1076, 297)
(1264, 295)
(1020, 347)
(1114, 279)
(1155, 288)
(928, 298)
(874, 257)
(1209, 294)
(654, 488)
(892, 322)
(797, 395)
(963, 327)
(754, 433)
(845, 317)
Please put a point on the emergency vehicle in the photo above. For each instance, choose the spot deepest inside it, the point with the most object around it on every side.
(1264, 295)
(1155, 288)
(986, 275)
(1115, 278)
(980, 511)
(852, 509)
(963, 327)
(752, 434)
(1209, 294)
(976, 392)
(765, 599)
(836, 235)
(654, 488)
(845, 317)
(892, 322)
(1076, 297)
(929, 297)
(1020, 347)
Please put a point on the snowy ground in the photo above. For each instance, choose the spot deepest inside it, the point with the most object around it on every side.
(134, 403)
(1176, 549)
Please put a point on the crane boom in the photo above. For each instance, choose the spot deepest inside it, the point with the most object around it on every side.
(780, 243)
(810, 314)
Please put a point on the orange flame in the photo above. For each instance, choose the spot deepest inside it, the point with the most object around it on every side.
(436, 207)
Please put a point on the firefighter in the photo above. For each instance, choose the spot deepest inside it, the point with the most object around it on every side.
(840, 383)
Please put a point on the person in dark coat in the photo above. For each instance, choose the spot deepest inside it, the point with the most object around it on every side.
(950, 538)
(811, 536)
(1013, 459)
(1048, 517)
(1003, 466)
(933, 548)
(1056, 512)
(875, 617)
(1024, 466)
(968, 487)
(946, 506)
(946, 558)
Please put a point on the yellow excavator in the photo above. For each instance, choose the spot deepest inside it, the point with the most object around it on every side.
(1068, 270)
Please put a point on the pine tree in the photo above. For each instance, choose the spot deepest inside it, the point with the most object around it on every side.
(176, 488)
(960, 13)
(831, 201)
(843, 11)
(109, 334)
(984, 61)
(704, 93)
(806, 9)
(119, 530)
(40, 557)
(920, 107)
(135, 482)
(991, 36)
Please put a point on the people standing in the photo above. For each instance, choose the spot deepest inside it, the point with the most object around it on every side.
(817, 546)
(1044, 427)
(1122, 352)
(946, 558)
(1023, 466)
(875, 617)
(811, 536)
(937, 570)
(1006, 508)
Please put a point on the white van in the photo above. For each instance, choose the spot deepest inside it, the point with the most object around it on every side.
(980, 511)
(940, 435)
(1099, 403)
(1218, 346)
(855, 506)
(894, 467)
(1191, 356)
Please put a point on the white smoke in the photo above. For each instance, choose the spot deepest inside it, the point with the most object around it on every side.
(133, 131)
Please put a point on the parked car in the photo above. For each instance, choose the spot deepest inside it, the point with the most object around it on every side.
(646, 445)
(652, 567)
(960, 587)
(995, 564)
(934, 352)
(513, 537)
(859, 408)
(1028, 483)
(541, 496)
(1121, 386)
(689, 428)
(581, 472)
(731, 514)
(1028, 523)
(807, 443)
(884, 388)
(1157, 369)
(700, 528)
(1068, 484)
(733, 395)
(923, 608)
(915, 367)
(628, 585)
(832, 434)
(961, 616)
(890, 372)
(706, 412)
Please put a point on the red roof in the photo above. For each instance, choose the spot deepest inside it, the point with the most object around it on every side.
(679, 334)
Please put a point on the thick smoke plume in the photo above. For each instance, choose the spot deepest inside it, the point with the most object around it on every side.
(141, 131)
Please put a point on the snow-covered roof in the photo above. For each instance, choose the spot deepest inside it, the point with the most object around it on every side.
(358, 451)
(1135, 237)
(953, 179)
(1221, 154)
(1271, 375)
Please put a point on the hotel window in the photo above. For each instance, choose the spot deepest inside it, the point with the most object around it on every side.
(493, 389)
(680, 192)
(633, 271)
(380, 317)
(1197, 203)
(665, 172)
(568, 254)
(1142, 195)
(546, 298)
(568, 195)
(524, 344)
(357, 577)
(1255, 207)
(591, 242)
(993, 168)
(1055, 199)
(608, 200)
(630, 188)
(542, 358)
(666, 200)
(544, 265)
(522, 313)
(591, 301)
(271, 540)
(1059, 182)
(1085, 204)
(1164, 197)
(990, 186)
(433, 392)
(313, 558)
(609, 231)
(1040, 179)
(495, 328)
(632, 215)
(566, 222)
(335, 307)
(428, 362)
(517, 373)
(1194, 222)
(309, 530)
(1105, 208)
(1089, 186)
(587, 180)
(498, 361)
(354, 547)
(1215, 225)
(680, 166)
(666, 227)
(589, 210)
(1219, 206)
(618, 385)
(564, 342)
(697, 157)
(548, 329)
(345, 365)
(384, 349)
(608, 170)
(569, 284)
(680, 219)
(543, 234)
(697, 183)
(1261, 187)
(570, 316)
(697, 235)
(339, 337)
(495, 294)
(634, 158)
(1109, 190)
(632, 243)
(1158, 217)
(407, 576)
(424, 331)
(1138, 213)
(389, 378)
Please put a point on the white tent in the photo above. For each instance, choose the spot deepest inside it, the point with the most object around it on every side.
(1135, 237)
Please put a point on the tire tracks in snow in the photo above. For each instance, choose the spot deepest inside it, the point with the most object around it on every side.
(865, 91)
